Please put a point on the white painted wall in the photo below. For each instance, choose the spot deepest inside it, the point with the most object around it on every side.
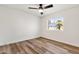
(70, 35)
(17, 25)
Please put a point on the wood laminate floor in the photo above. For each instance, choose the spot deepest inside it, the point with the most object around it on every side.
(38, 46)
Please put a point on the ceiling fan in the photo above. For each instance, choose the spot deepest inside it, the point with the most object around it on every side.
(41, 8)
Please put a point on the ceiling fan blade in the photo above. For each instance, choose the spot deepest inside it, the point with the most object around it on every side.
(49, 6)
(32, 8)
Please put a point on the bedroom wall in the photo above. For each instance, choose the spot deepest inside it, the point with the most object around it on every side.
(70, 35)
(17, 25)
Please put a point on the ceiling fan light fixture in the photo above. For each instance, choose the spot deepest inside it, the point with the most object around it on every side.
(40, 10)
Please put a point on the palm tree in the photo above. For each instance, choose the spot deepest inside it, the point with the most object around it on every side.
(59, 24)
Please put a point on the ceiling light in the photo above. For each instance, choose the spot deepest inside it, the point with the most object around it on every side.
(40, 10)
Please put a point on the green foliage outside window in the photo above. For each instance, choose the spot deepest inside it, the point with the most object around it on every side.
(56, 23)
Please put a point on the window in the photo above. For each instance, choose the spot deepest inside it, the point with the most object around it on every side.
(55, 23)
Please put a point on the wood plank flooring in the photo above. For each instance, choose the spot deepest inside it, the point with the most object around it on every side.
(39, 46)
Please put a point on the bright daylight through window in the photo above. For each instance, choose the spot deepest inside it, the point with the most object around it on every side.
(56, 23)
